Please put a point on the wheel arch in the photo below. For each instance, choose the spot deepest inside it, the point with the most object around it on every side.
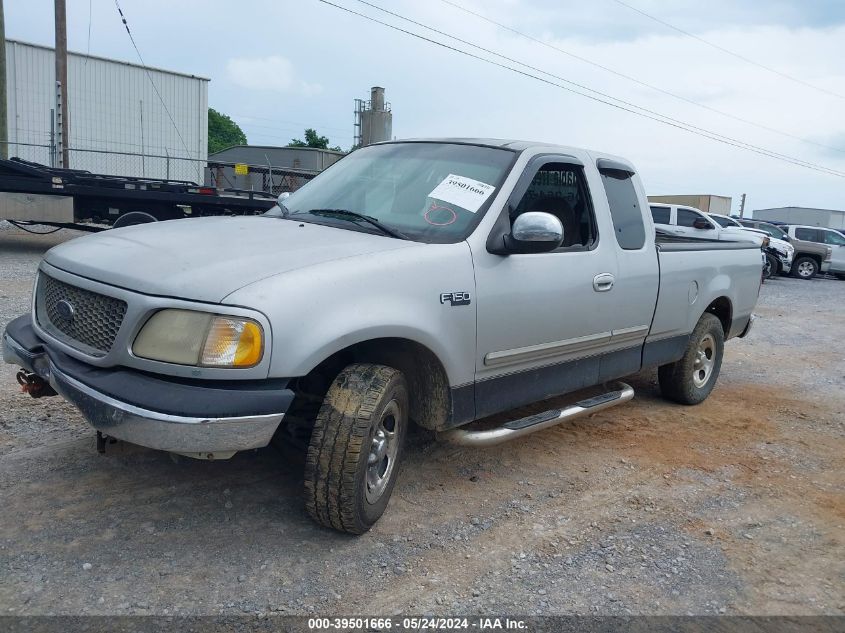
(814, 256)
(722, 309)
(428, 383)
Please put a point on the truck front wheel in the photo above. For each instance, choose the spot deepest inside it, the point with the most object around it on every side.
(355, 447)
(805, 268)
(771, 267)
(691, 379)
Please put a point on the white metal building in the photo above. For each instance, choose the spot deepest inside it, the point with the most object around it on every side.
(118, 124)
(830, 218)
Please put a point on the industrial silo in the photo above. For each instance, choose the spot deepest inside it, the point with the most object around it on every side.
(376, 119)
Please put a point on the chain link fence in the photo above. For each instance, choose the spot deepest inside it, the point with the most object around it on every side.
(220, 175)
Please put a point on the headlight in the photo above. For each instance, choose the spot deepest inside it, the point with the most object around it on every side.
(186, 337)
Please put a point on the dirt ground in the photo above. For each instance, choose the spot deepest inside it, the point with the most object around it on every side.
(735, 506)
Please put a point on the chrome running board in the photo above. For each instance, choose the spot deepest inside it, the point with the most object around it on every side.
(539, 421)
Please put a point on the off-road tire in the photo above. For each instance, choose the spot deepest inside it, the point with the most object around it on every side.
(336, 463)
(678, 379)
(806, 261)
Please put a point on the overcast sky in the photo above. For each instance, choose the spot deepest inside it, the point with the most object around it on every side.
(278, 67)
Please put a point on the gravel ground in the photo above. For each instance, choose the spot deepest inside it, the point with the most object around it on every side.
(734, 506)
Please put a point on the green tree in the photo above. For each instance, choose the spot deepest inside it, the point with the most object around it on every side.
(312, 139)
(223, 132)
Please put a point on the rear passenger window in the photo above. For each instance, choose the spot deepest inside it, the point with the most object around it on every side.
(661, 215)
(624, 209)
(808, 235)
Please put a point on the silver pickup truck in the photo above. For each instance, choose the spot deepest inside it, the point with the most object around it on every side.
(437, 282)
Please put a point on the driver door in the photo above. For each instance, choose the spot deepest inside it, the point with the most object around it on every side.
(544, 319)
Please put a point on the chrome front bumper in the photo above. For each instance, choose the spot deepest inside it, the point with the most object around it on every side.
(200, 437)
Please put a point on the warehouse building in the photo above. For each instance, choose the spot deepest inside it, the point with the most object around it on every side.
(118, 123)
(830, 218)
(706, 202)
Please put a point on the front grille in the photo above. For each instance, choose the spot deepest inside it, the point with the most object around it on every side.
(94, 320)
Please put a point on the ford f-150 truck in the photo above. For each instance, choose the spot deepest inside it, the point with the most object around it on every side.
(435, 282)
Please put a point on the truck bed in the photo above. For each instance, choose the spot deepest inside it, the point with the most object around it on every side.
(692, 273)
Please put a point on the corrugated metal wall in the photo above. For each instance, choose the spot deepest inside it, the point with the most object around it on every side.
(830, 218)
(108, 100)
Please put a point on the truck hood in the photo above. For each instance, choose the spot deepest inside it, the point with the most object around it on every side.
(206, 259)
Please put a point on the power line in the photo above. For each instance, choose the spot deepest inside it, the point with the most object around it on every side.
(728, 51)
(627, 106)
(155, 87)
(638, 81)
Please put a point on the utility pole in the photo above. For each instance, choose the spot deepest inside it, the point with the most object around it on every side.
(4, 121)
(61, 81)
(742, 207)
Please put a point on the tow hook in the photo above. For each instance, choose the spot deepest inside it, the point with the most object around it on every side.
(101, 442)
(34, 385)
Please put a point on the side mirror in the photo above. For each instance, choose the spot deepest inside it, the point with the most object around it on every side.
(701, 223)
(280, 202)
(280, 210)
(534, 232)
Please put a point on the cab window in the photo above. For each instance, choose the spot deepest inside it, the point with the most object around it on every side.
(661, 215)
(625, 209)
(561, 190)
(809, 235)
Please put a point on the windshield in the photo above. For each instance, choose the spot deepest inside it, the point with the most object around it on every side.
(723, 221)
(429, 192)
(772, 230)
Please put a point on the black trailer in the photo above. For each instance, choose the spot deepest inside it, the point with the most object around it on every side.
(31, 193)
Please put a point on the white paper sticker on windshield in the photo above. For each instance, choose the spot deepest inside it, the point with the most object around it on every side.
(464, 192)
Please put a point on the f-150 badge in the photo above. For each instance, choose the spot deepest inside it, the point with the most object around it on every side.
(455, 298)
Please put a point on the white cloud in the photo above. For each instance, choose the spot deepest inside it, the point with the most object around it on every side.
(273, 73)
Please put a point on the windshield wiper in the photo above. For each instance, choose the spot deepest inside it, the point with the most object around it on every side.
(353, 216)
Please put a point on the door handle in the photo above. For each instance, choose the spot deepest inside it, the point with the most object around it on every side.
(603, 282)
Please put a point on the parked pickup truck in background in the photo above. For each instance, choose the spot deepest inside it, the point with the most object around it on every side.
(434, 281)
(779, 252)
(819, 254)
(820, 237)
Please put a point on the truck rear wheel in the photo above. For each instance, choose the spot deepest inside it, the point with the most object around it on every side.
(805, 268)
(691, 379)
(355, 448)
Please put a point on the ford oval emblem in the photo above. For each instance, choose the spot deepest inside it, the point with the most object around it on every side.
(65, 310)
